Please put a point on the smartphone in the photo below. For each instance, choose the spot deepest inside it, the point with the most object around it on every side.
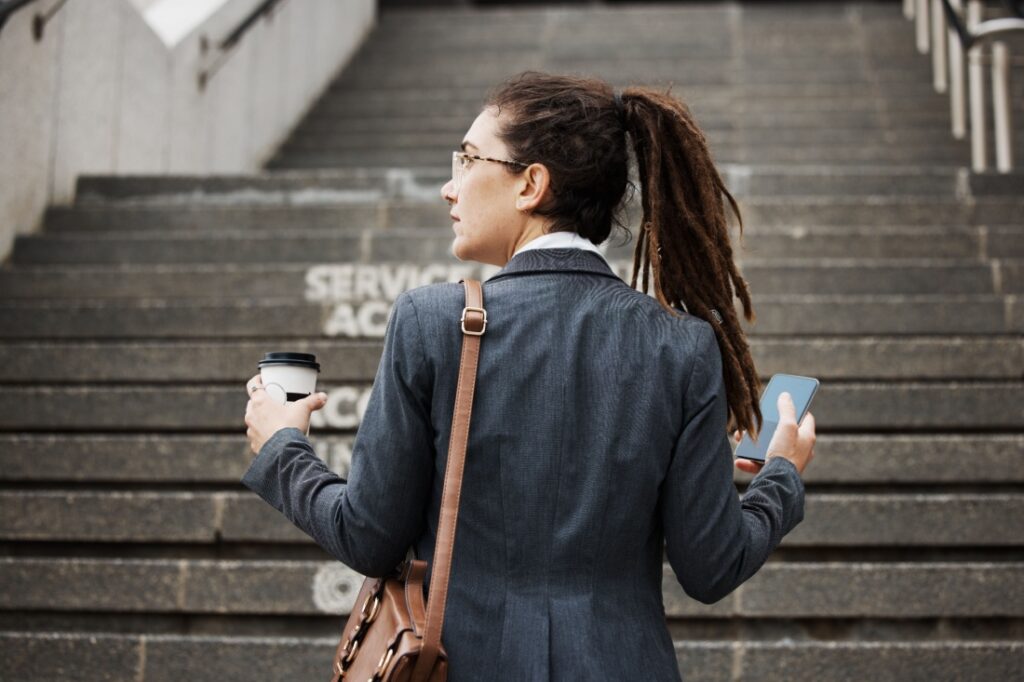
(801, 389)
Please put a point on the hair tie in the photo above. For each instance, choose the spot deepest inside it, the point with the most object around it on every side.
(620, 109)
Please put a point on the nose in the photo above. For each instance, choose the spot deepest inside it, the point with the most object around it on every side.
(446, 191)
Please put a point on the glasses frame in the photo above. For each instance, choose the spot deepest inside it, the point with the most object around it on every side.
(458, 171)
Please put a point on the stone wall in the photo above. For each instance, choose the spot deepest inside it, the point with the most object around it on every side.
(113, 86)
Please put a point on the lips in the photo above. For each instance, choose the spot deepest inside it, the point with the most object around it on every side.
(453, 216)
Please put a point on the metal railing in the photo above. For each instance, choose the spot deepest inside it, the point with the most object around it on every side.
(224, 47)
(39, 21)
(940, 21)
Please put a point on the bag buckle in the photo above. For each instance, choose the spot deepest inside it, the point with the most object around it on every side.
(463, 320)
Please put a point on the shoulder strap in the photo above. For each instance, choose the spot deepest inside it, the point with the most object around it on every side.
(473, 324)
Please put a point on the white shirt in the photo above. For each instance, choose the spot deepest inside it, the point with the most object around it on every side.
(561, 240)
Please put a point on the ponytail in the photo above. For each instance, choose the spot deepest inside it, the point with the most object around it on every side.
(684, 241)
(578, 128)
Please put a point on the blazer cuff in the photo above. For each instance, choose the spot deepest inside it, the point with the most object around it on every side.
(783, 464)
(261, 476)
(780, 478)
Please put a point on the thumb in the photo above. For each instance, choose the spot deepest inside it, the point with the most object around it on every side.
(787, 411)
(315, 401)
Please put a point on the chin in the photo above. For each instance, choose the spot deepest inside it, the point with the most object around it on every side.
(459, 249)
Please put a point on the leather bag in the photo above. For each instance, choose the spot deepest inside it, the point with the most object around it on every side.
(390, 634)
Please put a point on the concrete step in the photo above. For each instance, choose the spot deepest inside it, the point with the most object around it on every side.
(334, 245)
(707, 100)
(922, 91)
(313, 588)
(203, 518)
(732, 142)
(296, 189)
(339, 245)
(880, 211)
(651, 72)
(698, 72)
(710, 103)
(848, 154)
(35, 657)
(362, 185)
(284, 318)
(900, 129)
(900, 462)
(978, 406)
(386, 130)
(857, 358)
(811, 276)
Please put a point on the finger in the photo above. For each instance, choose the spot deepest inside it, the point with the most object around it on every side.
(748, 466)
(787, 411)
(807, 426)
(315, 401)
(256, 381)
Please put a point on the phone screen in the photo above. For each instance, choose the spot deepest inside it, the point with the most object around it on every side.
(801, 389)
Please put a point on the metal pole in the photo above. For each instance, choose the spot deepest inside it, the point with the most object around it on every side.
(921, 24)
(939, 42)
(976, 88)
(1001, 106)
(957, 100)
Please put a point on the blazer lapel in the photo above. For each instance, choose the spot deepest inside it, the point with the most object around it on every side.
(565, 260)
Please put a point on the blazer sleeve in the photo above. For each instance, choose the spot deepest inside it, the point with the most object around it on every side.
(369, 521)
(716, 540)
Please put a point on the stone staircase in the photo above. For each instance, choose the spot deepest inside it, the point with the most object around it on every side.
(130, 323)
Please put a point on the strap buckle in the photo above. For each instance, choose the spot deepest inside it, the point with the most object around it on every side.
(463, 320)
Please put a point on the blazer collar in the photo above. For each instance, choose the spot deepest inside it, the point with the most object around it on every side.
(533, 261)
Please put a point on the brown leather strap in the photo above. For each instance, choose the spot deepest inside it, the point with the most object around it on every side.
(414, 594)
(472, 324)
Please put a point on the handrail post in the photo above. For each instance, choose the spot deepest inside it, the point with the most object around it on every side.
(921, 24)
(957, 98)
(976, 86)
(1001, 106)
(939, 44)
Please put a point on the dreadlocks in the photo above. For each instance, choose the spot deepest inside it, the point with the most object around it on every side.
(574, 126)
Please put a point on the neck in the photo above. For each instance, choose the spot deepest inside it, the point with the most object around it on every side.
(532, 231)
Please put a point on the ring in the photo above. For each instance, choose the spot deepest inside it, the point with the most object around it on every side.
(254, 389)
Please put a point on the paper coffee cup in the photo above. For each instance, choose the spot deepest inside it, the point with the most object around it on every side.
(288, 377)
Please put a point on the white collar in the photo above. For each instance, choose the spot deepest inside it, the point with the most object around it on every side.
(561, 240)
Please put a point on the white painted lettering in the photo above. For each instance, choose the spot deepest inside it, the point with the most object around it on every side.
(395, 281)
(317, 282)
(367, 284)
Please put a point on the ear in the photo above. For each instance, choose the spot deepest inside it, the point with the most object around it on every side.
(534, 187)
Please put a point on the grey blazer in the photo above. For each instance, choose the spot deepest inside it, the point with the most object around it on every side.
(598, 441)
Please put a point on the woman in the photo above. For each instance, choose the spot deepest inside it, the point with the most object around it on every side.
(599, 427)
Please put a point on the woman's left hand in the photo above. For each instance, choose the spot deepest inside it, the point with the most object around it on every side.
(265, 417)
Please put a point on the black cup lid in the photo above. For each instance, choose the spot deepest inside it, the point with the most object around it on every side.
(299, 359)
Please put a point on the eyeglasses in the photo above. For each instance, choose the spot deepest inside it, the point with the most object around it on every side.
(461, 162)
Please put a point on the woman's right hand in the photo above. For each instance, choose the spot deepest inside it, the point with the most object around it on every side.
(795, 443)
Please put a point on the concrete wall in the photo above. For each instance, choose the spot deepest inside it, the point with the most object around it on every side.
(104, 91)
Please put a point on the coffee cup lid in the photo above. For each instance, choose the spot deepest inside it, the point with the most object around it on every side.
(297, 359)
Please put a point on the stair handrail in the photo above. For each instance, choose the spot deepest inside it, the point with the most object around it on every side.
(39, 21)
(225, 47)
(971, 35)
